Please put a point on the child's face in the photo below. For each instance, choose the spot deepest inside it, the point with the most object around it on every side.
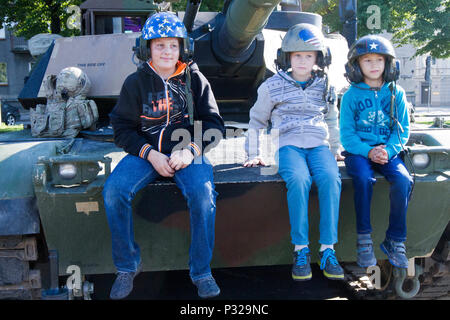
(302, 63)
(165, 53)
(372, 66)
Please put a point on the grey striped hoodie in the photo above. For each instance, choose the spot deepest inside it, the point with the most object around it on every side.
(301, 116)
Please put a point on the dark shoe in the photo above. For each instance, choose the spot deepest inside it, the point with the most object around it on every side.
(301, 269)
(396, 253)
(366, 256)
(207, 287)
(123, 285)
(330, 265)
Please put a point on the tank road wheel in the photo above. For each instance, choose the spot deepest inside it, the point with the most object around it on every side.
(17, 280)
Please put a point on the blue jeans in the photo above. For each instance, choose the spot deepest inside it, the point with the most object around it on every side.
(361, 169)
(299, 168)
(195, 182)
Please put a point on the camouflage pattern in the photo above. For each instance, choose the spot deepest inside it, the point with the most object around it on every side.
(67, 110)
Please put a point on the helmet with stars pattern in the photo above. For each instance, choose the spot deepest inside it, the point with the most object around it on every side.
(372, 44)
(165, 25)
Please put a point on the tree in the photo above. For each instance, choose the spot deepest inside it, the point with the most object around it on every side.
(422, 23)
(27, 18)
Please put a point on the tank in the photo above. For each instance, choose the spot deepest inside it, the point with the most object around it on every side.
(52, 217)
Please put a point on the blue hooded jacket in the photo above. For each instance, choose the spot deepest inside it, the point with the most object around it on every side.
(365, 120)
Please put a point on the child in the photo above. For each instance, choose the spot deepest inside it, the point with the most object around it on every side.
(154, 101)
(373, 131)
(296, 103)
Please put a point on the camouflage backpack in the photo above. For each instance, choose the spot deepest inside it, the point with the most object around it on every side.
(67, 111)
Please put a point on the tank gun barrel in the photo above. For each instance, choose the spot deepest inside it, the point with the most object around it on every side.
(192, 8)
(244, 19)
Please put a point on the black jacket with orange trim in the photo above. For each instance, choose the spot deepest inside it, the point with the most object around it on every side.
(150, 109)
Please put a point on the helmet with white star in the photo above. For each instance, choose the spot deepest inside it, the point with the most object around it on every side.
(372, 44)
(165, 25)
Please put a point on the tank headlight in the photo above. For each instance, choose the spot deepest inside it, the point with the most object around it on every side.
(421, 160)
(67, 171)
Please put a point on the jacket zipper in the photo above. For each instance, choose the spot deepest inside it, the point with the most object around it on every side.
(168, 116)
(376, 116)
(168, 109)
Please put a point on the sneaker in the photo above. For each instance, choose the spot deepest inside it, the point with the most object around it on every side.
(396, 253)
(330, 266)
(366, 256)
(301, 270)
(123, 285)
(207, 287)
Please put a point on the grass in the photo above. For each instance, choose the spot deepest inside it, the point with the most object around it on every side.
(447, 122)
(5, 128)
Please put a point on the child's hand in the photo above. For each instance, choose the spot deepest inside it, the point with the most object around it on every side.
(254, 162)
(379, 155)
(160, 162)
(180, 159)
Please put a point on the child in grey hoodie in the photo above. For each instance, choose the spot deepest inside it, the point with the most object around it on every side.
(299, 106)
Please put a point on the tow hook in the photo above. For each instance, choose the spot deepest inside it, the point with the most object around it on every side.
(411, 283)
(86, 290)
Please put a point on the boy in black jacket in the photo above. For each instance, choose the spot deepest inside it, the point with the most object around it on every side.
(154, 102)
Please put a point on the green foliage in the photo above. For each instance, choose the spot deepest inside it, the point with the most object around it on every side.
(422, 23)
(28, 18)
(5, 128)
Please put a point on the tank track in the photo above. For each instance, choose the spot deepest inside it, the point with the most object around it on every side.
(17, 278)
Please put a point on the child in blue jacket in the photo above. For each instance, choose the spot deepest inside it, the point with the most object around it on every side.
(374, 125)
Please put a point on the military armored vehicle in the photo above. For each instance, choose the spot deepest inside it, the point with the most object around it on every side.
(52, 218)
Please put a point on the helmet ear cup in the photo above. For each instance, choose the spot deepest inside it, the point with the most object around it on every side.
(142, 49)
(353, 72)
(391, 70)
(283, 61)
(187, 49)
(324, 58)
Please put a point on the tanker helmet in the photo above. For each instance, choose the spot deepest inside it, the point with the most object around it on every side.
(303, 37)
(164, 25)
(372, 44)
(71, 82)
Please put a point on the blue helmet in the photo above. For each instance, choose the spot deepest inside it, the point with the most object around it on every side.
(164, 25)
(372, 44)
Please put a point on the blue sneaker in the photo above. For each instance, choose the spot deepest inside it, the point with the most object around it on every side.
(366, 256)
(207, 287)
(123, 285)
(330, 266)
(301, 270)
(396, 252)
